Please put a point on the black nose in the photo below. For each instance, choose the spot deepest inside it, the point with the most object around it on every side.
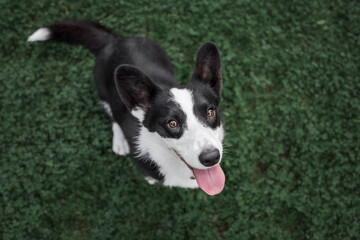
(209, 158)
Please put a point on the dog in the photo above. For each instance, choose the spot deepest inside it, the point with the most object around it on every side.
(174, 133)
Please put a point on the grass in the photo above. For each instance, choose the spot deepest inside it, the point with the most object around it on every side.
(290, 100)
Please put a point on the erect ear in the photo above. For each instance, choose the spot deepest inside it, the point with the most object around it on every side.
(208, 67)
(135, 88)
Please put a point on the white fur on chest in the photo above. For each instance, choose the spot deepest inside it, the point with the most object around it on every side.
(175, 172)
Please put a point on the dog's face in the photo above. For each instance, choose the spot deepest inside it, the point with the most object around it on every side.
(187, 118)
(189, 122)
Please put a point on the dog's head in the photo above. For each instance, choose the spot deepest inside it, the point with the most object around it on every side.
(187, 118)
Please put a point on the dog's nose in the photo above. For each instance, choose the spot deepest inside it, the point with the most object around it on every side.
(209, 158)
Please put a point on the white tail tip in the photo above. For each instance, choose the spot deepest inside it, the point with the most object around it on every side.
(41, 34)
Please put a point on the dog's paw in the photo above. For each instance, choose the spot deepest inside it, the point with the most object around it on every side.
(150, 180)
(120, 145)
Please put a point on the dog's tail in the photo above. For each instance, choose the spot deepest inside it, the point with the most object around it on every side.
(90, 35)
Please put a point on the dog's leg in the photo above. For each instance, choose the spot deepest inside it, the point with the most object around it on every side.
(119, 144)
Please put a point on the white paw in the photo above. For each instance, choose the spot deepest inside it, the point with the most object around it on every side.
(150, 180)
(120, 145)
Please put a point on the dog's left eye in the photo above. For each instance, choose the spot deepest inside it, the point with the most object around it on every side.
(211, 113)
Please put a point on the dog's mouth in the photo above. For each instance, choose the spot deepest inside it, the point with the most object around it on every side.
(211, 180)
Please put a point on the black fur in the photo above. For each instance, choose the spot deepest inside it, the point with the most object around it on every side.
(134, 87)
(203, 100)
(208, 67)
(165, 111)
(92, 36)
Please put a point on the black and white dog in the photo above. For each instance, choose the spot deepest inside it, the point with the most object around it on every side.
(173, 132)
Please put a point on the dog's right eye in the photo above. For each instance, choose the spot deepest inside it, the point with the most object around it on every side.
(173, 124)
(211, 113)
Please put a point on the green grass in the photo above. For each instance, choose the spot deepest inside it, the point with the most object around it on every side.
(291, 105)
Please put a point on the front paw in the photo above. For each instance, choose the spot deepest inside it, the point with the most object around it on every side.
(120, 146)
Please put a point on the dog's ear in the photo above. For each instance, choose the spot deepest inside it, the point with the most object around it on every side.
(208, 67)
(135, 89)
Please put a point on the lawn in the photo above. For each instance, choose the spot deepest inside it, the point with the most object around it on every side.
(291, 86)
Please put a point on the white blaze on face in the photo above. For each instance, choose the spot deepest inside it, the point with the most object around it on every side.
(198, 136)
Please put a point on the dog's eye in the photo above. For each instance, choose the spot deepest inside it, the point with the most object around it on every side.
(173, 124)
(211, 113)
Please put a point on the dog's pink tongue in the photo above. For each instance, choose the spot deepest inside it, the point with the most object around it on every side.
(210, 180)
